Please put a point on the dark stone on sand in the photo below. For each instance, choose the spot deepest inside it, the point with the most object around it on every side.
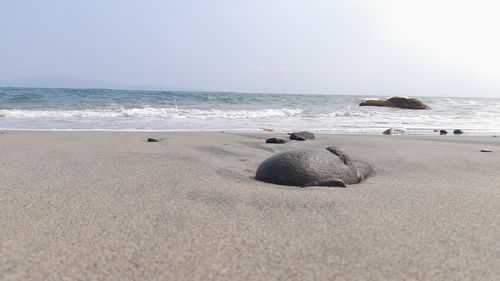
(443, 132)
(399, 102)
(393, 131)
(458, 132)
(275, 140)
(485, 150)
(299, 139)
(153, 140)
(313, 167)
(304, 135)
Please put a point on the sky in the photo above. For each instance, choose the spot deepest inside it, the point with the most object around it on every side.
(379, 47)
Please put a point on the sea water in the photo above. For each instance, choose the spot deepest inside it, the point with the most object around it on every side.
(118, 110)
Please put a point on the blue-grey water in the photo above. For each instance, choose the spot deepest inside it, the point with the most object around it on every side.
(96, 109)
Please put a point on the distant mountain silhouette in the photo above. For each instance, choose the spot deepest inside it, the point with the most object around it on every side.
(63, 81)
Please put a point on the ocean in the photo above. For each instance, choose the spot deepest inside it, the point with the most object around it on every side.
(119, 110)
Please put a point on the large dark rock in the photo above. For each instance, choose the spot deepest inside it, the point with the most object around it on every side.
(313, 167)
(304, 135)
(457, 132)
(152, 140)
(443, 132)
(399, 102)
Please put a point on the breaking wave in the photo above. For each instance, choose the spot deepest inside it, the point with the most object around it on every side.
(168, 112)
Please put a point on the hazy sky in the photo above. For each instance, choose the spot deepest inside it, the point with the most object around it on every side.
(421, 47)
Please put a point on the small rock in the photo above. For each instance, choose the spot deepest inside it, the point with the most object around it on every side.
(485, 150)
(153, 140)
(393, 131)
(458, 132)
(304, 135)
(267, 130)
(494, 136)
(443, 132)
(275, 140)
(329, 183)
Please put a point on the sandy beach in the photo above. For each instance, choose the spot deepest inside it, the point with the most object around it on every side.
(111, 206)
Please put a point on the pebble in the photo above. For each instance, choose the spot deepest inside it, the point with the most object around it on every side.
(304, 135)
(275, 140)
(394, 131)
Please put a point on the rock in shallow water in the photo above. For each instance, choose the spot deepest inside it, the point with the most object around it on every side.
(153, 140)
(458, 132)
(313, 167)
(399, 102)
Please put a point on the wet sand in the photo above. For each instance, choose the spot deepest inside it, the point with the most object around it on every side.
(111, 206)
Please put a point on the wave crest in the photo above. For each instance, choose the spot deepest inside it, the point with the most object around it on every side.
(170, 112)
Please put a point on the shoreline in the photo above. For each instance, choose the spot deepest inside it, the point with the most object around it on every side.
(109, 205)
(409, 132)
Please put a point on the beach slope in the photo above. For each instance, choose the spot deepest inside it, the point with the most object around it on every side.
(111, 206)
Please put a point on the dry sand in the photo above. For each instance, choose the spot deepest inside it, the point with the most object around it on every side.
(111, 206)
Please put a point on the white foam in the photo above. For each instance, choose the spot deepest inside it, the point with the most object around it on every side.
(169, 112)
